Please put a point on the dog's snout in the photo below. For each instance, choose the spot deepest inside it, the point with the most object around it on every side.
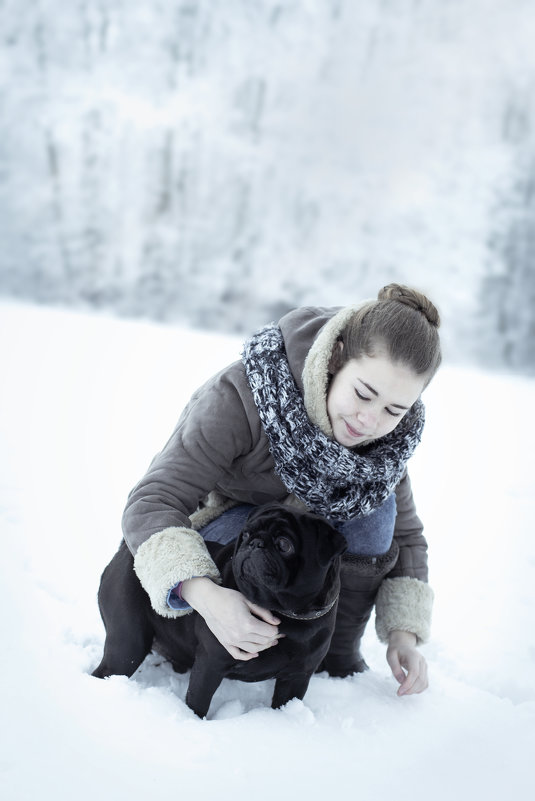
(256, 542)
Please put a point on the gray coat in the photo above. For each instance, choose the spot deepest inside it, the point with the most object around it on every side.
(218, 455)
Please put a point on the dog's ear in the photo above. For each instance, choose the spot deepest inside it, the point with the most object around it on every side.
(331, 543)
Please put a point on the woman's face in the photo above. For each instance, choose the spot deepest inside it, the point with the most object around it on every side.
(369, 396)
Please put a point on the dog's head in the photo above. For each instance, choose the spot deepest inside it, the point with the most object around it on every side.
(283, 557)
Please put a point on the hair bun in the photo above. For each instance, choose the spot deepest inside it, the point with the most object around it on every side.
(413, 299)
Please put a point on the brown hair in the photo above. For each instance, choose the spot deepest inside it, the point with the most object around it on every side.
(403, 322)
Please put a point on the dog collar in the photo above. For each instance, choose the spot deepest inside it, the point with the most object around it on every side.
(312, 615)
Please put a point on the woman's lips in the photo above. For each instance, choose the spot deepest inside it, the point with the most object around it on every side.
(353, 431)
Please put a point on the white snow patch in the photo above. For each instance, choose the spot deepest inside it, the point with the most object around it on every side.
(86, 403)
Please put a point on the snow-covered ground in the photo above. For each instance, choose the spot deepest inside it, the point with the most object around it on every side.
(86, 402)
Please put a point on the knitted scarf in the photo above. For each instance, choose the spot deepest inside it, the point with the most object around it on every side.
(333, 481)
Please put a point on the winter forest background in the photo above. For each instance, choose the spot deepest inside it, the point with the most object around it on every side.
(207, 165)
(215, 163)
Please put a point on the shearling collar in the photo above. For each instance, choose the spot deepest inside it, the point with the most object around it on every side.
(310, 362)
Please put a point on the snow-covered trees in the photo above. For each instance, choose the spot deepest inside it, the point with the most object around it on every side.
(217, 163)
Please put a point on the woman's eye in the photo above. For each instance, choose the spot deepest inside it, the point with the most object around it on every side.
(362, 397)
(285, 546)
(393, 414)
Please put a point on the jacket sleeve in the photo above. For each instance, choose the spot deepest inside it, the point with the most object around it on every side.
(408, 531)
(213, 430)
(405, 599)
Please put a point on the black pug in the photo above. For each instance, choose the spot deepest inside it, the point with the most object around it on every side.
(284, 560)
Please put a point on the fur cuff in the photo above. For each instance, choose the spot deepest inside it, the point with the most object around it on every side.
(404, 604)
(170, 556)
(212, 507)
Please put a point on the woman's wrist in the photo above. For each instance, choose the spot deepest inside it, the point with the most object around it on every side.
(195, 591)
(398, 637)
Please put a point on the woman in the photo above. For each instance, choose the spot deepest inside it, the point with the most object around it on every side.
(322, 411)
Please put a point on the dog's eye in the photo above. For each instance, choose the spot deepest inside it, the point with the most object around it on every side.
(285, 546)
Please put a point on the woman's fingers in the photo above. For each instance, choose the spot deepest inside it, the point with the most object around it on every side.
(409, 669)
(415, 681)
(241, 627)
(241, 655)
(263, 614)
(248, 650)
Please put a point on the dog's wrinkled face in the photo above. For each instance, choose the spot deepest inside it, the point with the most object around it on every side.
(282, 556)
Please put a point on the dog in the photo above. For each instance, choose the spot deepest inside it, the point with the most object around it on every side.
(284, 560)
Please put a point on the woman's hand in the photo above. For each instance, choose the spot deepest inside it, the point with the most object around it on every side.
(231, 618)
(402, 655)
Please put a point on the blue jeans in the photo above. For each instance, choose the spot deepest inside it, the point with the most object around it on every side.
(366, 536)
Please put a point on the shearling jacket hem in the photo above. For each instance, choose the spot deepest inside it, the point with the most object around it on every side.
(404, 604)
(168, 557)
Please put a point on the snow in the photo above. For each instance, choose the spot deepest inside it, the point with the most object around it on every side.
(86, 402)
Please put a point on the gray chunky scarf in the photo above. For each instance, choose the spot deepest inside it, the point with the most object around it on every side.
(331, 480)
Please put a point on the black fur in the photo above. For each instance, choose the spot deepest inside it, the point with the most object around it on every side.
(283, 560)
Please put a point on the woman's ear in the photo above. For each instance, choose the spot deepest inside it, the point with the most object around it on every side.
(336, 360)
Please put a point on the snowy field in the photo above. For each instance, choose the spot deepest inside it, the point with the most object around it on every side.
(86, 402)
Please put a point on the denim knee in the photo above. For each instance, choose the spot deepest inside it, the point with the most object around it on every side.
(371, 535)
(366, 536)
(227, 526)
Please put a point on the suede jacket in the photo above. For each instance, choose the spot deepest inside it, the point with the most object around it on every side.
(218, 455)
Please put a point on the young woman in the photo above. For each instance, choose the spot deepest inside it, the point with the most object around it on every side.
(323, 411)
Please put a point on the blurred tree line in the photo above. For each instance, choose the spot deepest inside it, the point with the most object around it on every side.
(508, 291)
(219, 163)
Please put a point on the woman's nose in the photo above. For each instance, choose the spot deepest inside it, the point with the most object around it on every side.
(368, 419)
